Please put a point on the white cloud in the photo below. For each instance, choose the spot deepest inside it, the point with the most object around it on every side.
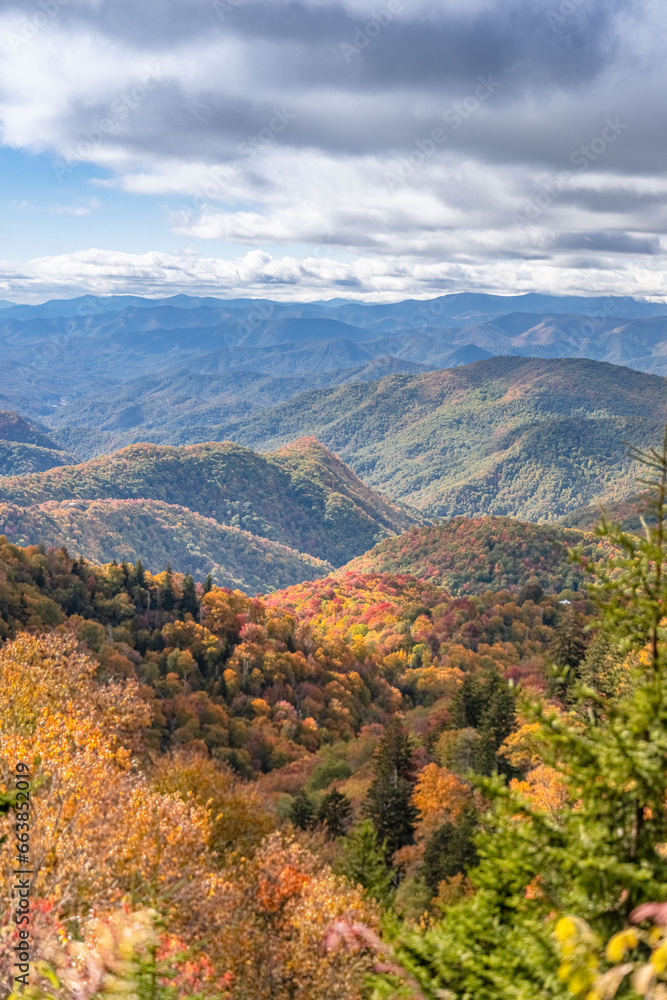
(269, 138)
(91, 206)
(371, 278)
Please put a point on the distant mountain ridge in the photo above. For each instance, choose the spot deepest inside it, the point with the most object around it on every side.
(81, 366)
(528, 437)
(160, 534)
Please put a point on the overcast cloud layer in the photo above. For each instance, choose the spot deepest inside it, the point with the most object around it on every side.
(364, 149)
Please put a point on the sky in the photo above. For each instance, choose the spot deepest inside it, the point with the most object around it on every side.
(310, 149)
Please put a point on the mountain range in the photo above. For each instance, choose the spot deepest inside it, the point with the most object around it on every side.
(106, 372)
(270, 443)
(528, 437)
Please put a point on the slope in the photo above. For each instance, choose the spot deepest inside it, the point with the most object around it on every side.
(473, 555)
(158, 534)
(24, 447)
(304, 498)
(529, 437)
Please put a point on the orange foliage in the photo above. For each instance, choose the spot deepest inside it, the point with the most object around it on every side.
(440, 796)
(543, 789)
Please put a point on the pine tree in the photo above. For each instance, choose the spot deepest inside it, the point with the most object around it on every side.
(335, 813)
(302, 811)
(389, 801)
(488, 705)
(567, 651)
(189, 603)
(363, 862)
(168, 598)
(597, 858)
(139, 574)
(451, 850)
(568, 646)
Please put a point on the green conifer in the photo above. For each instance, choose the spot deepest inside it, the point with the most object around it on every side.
(302, 811)
(389, 801)
(335, 813)
(189, 603)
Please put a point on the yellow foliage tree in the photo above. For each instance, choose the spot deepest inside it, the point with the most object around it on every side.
(98, 829)
(240, 817)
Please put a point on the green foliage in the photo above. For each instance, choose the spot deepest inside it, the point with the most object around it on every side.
(189, 605)
(451, 850)
(531, 437)
(335, 813)
(567, 651)
(302, 811)
(364, 862)
(487, 705)
(599, 856)
(389, 800)
(326, 772)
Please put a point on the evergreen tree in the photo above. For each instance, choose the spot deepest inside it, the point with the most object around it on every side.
(451, 850)
(302, 811)
(208, 584)
(488, 705)
(567, 651)
(168, 597)
(568, 645)
(139, 574)
(335, 813)
(189, 603)
(363, 862)
(389, 801)
(598, 856)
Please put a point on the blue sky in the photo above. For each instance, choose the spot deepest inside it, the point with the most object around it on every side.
(316, 148)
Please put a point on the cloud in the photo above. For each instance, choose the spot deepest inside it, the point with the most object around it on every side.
(371, 278)
(91, 206)
(416, 132)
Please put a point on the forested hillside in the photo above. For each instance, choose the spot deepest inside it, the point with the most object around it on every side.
(262, 726)
(472, 555)
(527, 437)
(24, 447)
(626, 512)
(339, 653)
(300, 766)
(301, 496)
(161, 533)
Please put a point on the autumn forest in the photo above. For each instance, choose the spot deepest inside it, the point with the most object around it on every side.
(370, 705)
